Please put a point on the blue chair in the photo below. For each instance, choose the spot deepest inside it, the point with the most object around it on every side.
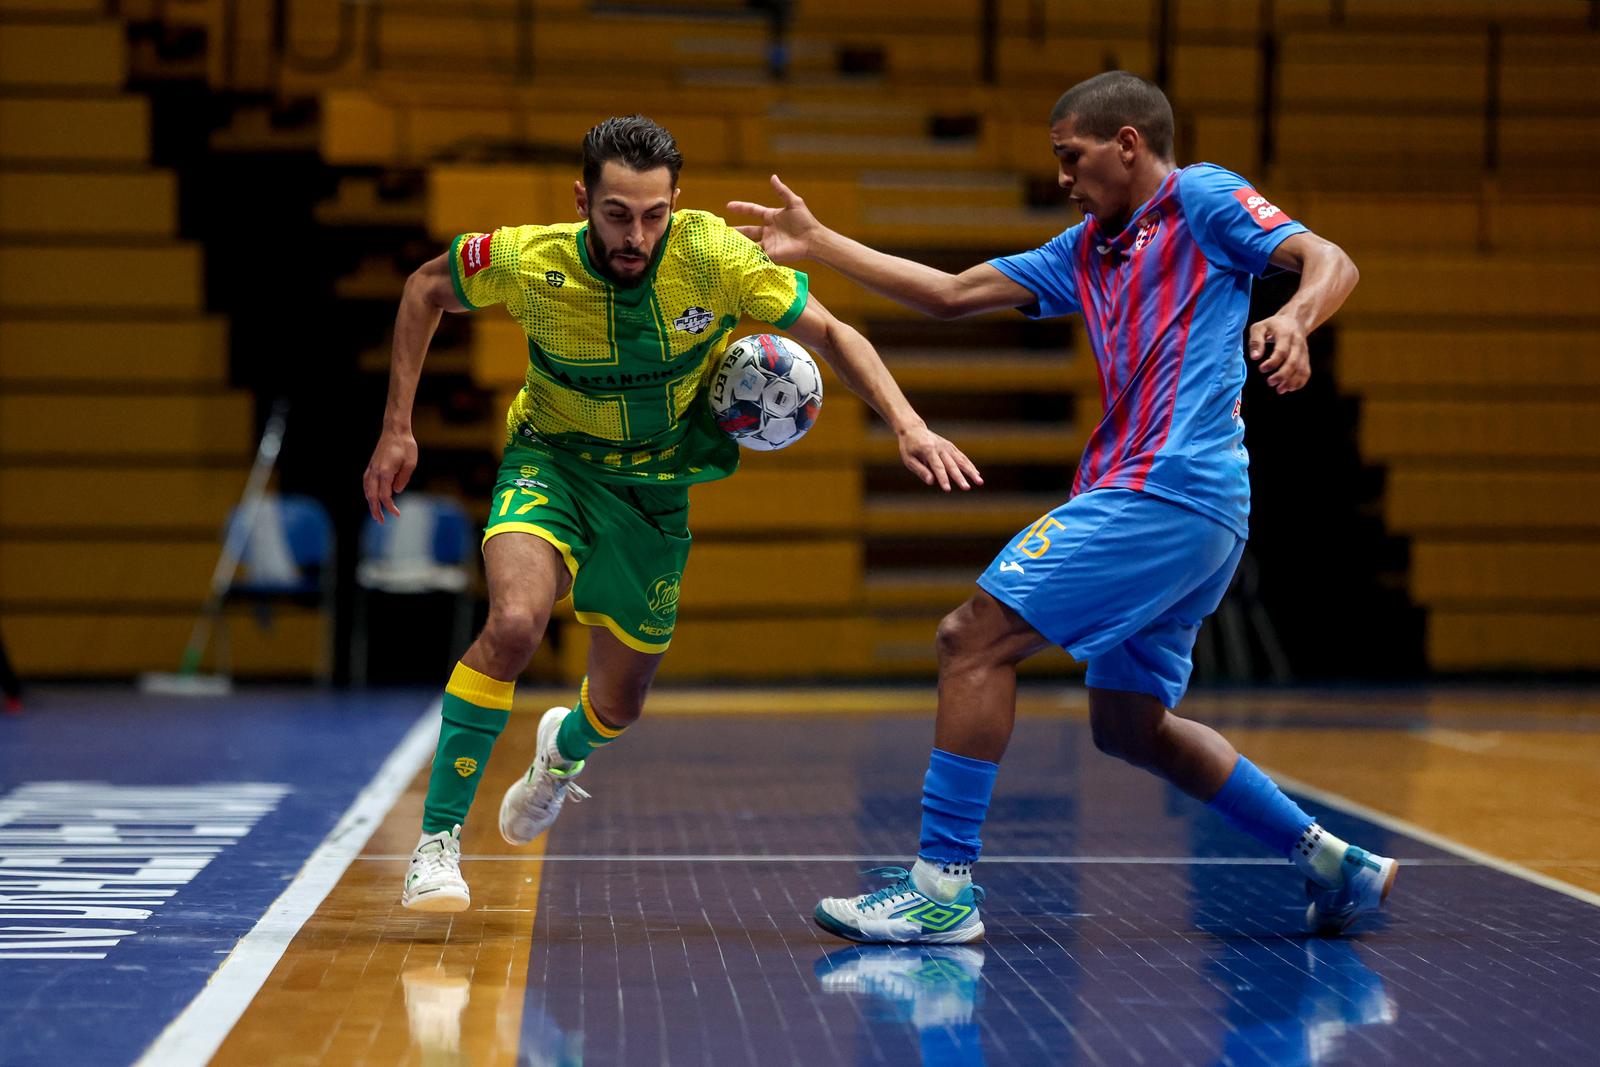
(288, 555)
(427, 548)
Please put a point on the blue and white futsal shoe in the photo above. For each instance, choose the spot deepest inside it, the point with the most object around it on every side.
(1368, 877)
(898, 914)
(532, 803)
(926, 985)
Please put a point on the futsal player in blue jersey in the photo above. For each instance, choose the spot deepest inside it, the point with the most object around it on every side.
(1124, 572)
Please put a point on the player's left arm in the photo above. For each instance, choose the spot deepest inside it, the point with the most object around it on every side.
(1327, 276)
(852, 357)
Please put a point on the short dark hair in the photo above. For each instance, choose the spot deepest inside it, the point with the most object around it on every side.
(635, 142)
(1103, 104)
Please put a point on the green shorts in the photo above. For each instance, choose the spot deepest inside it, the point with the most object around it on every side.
(625, 546)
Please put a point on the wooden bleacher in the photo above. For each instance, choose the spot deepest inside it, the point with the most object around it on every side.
(121, 446)
(1471, 342)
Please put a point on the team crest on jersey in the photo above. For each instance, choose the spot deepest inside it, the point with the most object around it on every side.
(1147, 231)
(1267, 214)
(555, 278)
(475, 254)
(693, 320)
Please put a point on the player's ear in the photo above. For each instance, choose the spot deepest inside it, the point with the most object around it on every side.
(674, 205)
(1128, 139)
(581, 196)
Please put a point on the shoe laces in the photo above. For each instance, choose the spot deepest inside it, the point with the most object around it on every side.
(441, 859)
(563, 777)
(900, 883)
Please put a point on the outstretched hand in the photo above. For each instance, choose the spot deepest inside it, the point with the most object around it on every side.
(389, 472)
(1288, 365)
(786, 232)
(937, 461)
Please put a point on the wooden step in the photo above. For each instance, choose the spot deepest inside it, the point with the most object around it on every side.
(55, 575)
(75, 55)
(919, 590)
(1506, 363)
(1465, 640)
(773, 576)
(62, 501)
(761, 500)
(96, 354)
(110, 430)
(108, 130)
(1485, 430)
(1478, 288)
(1467, 573)
(1418, 500)
(794, 648)
(1047, 444)
(159, 278)
(934, 514)
(997, 370)
(128, 204)
(100, 644)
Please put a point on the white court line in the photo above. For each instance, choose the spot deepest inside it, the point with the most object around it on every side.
(724, 857)
(195, 1035)
(1410, 829)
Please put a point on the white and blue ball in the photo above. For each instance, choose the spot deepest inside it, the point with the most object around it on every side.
(766, 392)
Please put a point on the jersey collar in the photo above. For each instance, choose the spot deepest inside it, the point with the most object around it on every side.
(1120, 243)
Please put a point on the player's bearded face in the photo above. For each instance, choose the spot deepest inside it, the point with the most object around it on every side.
(1091, 171)
(628, 211)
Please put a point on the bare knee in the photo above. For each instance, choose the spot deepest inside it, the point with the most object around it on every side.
(512, 636)
(982, 633)
(1131, 738)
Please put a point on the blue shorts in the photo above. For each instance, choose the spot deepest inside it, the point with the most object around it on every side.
(1122, 581)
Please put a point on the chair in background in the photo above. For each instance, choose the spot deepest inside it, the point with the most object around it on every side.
(422, 550)
(289, 557)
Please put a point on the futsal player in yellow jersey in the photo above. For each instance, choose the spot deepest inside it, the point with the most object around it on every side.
(624, 313)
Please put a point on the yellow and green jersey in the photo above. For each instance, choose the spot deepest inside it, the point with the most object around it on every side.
(614, 374)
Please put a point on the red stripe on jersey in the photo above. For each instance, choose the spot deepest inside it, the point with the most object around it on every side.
(1197, 276)
(1166, 283)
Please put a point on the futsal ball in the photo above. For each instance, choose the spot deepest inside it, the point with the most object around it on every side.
(765, 392)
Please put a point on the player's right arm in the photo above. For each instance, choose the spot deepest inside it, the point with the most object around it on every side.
(792, 233)
(429, 292)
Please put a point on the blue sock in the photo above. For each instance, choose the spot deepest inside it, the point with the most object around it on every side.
(955, 799)
(1252, 802)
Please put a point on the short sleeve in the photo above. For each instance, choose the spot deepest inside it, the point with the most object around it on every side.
(767, 292)
(1234, 225)
(1049, 272)
(484, 267)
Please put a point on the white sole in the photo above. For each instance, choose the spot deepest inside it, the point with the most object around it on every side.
(438, 901)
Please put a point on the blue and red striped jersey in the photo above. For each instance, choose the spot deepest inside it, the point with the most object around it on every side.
(1164, 304)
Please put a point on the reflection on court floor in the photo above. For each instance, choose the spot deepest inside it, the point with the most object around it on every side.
(667, 919)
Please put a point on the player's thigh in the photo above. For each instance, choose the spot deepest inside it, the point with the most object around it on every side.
(1158, 659)
(628, 587)
(526, 575)
(988, 630)
(1101, 567)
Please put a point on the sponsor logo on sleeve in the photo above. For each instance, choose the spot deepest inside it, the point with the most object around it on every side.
(1266, 214)
(475, 254)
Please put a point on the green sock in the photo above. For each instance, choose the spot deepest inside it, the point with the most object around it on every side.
(476, 708)
(582, 731)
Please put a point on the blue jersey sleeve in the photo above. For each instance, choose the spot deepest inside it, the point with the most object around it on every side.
(1235, 226)
(1049, 272)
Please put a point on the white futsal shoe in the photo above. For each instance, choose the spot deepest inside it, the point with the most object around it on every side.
(434, 882)
(1368, 878)
(532, 803)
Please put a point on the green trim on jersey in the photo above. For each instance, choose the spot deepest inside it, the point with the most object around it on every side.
(798, 308)
(455, 280)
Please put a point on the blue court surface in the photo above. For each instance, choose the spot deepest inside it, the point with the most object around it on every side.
(1125, 924)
